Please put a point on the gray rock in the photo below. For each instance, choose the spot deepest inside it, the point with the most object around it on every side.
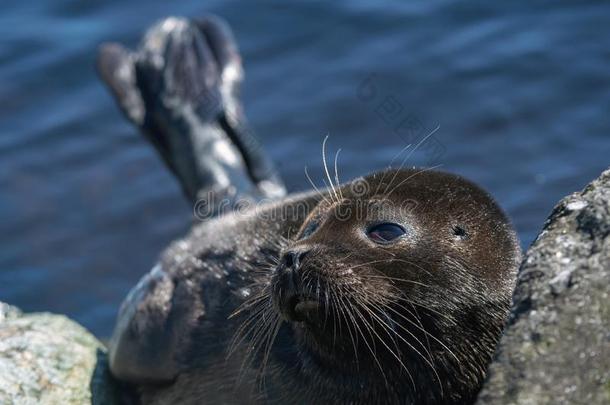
(8, 311)
(556, 348)
(49, 359)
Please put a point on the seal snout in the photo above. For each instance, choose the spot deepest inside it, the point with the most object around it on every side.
(290, 296)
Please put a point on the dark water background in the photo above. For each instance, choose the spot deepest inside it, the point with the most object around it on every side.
(520, 89)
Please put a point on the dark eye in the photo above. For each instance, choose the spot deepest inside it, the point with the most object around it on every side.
(385, 233)
(459, 232)
(310, 228)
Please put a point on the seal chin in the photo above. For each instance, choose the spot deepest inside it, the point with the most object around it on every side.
(300, 308)
(306, 314)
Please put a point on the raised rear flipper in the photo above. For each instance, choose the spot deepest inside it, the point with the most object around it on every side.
(181, 89)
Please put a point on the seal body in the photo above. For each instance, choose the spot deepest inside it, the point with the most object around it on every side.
(393, 288)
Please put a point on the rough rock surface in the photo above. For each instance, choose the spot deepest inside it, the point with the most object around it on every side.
(49, 359)
(556, 348)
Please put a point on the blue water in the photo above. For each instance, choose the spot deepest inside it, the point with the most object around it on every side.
(521, 93)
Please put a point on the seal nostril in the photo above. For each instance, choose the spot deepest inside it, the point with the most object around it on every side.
(289, 259)
(294, 258)
(301, 256)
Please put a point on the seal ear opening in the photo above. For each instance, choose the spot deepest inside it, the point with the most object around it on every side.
(115, 65)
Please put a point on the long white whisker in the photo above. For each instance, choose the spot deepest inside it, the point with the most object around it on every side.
(390, 166)
(424, 139)
(326, 168)
(410, 177)
(314, 186)
(337, 173)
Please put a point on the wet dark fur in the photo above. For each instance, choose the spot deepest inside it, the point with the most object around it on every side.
(414, 322)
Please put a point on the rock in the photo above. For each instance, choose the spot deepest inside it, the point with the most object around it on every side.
(49, 359)
(8, 312)
(556, 348)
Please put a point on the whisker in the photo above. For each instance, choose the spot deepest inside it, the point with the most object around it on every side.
(428, 360)
(337, 173)
(372, 351)
(395, 279)
(314, 186)
(424, 139)
(269, 345)
(410, 177)
(390, 166)
(332, 187)
(425, 332)
(396, 356)
(353, 336)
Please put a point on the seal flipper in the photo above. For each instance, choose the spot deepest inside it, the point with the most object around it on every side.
(222, 43)
(115, 65)
(185, 78)
(153, 321)
(232, 118)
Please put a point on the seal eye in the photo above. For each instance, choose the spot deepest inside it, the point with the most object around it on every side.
(385, 233)
(459, 232)
(310, 228)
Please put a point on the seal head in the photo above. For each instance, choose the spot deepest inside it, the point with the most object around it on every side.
(397, 286)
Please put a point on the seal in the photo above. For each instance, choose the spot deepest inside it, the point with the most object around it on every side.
(397, 294)
(391, 288)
